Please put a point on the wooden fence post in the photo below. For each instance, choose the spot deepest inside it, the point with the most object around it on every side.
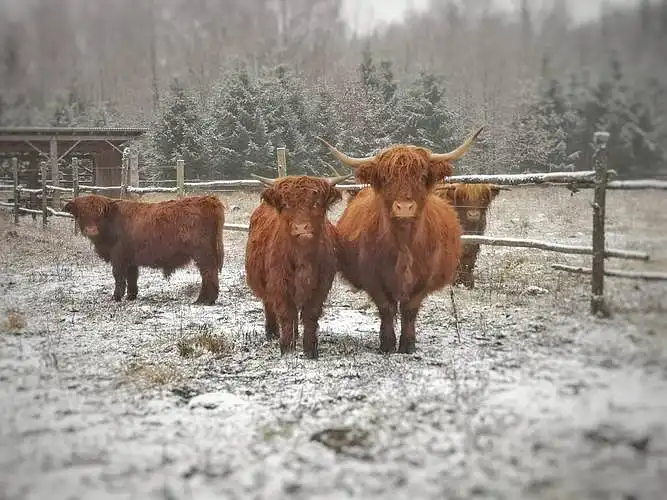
(45, 212)
(55, 171)
(17, 192)
(598, 306)
(281, 153)
(75, 185)
(180, 176)
(133, 167)
(124, 169)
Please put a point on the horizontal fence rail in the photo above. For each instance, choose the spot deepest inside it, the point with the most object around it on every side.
(580, 180)
(644, 275)
(598, 178)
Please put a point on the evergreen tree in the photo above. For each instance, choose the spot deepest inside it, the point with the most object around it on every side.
(288, 119)
(557, 131)
(372, 127)
(69, 108)
(177, 130)
(236, 133)
(367, 71)
(326, 123)
(423, 117)
(387, 84)
(543, 143)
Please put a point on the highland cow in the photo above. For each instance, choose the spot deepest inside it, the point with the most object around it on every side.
(166, 235)
(290, 258)
(398, 241)
(471, 202)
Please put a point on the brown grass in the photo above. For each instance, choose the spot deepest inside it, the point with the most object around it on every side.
(150, 374)
(14, 322)
(202, 342)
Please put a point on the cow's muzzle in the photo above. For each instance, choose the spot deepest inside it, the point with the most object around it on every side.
(406, 209)
(473, 214)
(302, 230)
(91, 231)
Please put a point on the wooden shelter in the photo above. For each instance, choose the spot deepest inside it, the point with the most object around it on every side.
(32, 145)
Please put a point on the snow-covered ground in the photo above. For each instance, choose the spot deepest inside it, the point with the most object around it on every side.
(163, 399)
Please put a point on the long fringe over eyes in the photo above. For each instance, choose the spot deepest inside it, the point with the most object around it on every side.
(475, 193)
(403, 163)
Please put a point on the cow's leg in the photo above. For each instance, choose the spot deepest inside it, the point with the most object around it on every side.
(409, 310)
(210, 285)
(287, 316)
(310, 316)
(387, 311)
(132, 278)
(120, 277)
(270, 322)
(466, 268)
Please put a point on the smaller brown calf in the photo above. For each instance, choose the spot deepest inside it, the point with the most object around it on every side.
(166, 235)
(290, 259)
(471, 202)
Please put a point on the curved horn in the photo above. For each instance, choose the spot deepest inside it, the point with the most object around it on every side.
(500, 187)
(343, 158)
(458, 152)
(335, 180)
(264, 180)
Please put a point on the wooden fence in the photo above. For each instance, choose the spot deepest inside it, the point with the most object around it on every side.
(599, 178)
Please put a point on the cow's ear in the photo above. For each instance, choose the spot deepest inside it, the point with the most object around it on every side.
(437, 171)
(70, 208)
(494, 192)
(271, 197)
(333, 196)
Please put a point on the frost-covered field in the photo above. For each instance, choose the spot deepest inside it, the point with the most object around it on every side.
(162, 399)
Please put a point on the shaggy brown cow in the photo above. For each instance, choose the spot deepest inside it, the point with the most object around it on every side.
(398, 241)
(471, 202)
(166, 235)
(290, 258)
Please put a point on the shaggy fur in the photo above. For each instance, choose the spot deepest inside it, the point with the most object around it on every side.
(167, 235)
(291, 257)
(399, 262)
(471, 202)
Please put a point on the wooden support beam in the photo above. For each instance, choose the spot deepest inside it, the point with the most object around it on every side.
(45, 211)
(55, 171)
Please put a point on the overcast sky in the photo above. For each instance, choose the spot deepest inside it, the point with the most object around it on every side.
(372, 12)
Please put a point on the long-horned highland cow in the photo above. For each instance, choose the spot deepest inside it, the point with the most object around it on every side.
(165, 235)
(290, 260)
(471, 202)
(398, 241)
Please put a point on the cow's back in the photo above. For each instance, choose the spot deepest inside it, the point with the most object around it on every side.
(169, 234)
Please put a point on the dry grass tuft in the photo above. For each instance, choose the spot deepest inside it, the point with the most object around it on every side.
(204, 341)
(150, 374)
(14, 322)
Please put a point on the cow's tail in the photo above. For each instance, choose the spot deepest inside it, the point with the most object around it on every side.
(219, 229)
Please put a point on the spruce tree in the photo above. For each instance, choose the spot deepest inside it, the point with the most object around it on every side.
(177, 130)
